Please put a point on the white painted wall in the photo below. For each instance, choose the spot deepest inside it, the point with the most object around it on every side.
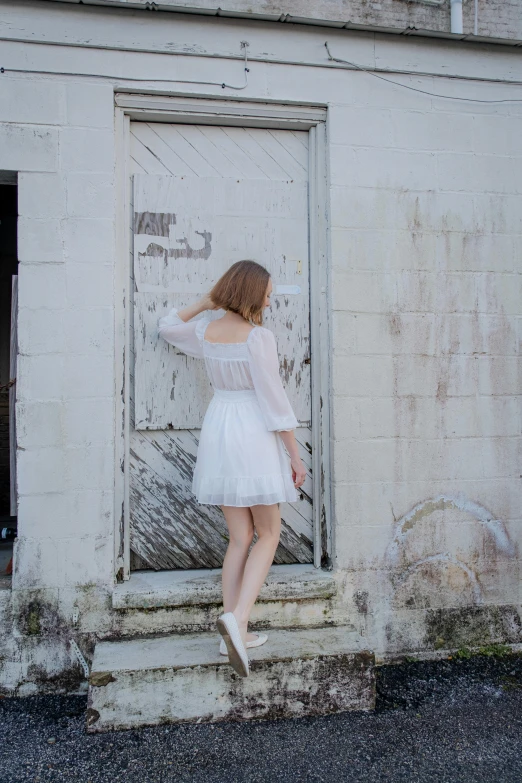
(60, 137)
(425, 241)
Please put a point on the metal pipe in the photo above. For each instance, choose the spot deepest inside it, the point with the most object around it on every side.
(456, 16)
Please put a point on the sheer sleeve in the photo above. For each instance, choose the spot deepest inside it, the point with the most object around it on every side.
(264, 369)
(185, 335)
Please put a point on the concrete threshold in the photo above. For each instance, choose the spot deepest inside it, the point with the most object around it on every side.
(156, 589)
(183, 678)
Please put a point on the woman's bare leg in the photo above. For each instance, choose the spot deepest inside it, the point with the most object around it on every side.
(267, 522)
(240, 525)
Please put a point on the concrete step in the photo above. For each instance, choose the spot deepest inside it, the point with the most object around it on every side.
(172, 601)
(183, 678)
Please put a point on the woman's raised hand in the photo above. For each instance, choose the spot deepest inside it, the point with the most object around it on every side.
(298, 471)
(207, 303)
(197, 307)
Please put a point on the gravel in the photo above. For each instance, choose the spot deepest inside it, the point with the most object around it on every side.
(438, 721)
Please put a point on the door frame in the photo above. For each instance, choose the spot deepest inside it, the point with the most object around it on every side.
(130, 106)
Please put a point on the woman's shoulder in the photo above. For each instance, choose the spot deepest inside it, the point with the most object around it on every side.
(261, 339)
(201, 323)
(261, 333)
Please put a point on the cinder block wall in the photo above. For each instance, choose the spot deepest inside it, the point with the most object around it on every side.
(427, 292)
(59, 136)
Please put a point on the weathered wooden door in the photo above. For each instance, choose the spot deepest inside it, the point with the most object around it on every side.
(203, 198)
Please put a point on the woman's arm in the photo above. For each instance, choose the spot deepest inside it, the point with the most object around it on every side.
(298, 469)
(178, 328)
(273, 400)
(264, 369)
(205, 303)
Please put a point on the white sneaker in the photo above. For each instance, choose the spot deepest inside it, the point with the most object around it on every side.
(261, 639)
(237, 654)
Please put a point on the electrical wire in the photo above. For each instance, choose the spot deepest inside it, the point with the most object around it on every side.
(223, 85)
(416, 89)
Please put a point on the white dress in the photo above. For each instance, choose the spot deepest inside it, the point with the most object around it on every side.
(241, 460)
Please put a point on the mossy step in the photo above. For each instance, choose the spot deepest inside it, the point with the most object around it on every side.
(183, 678)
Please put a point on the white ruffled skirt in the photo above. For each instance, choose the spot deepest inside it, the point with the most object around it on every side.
(239, 461)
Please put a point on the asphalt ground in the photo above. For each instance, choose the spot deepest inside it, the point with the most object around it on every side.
(440, 721)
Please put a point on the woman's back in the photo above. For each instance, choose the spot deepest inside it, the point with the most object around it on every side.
(240, 365)
(228, 330)
(228, 361)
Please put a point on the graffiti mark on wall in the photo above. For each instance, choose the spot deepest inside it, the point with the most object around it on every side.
(159, 225)
(458, 502)
(156, 224)
(461, 566)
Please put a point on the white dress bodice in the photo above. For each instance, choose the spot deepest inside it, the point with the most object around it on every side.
(249, 365)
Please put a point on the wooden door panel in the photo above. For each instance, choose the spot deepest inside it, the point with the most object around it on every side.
(204, 197)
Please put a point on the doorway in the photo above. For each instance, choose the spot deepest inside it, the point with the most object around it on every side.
(8, 349)
(152, 115)
(204, 197)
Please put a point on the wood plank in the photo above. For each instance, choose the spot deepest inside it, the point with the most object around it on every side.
(301, 525)
(296, 145)
(292, 549)
(149, 136)
(138, 167)
(272, 169)
(302, 138)
(209, 150)
(181, 145)
(141, 153)
(247, 167)
(170, 529)
(164, 465)
(279, 153)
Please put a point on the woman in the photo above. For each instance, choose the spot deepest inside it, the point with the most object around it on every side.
(241, 464)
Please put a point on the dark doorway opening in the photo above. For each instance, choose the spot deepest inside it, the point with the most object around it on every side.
(8, 307)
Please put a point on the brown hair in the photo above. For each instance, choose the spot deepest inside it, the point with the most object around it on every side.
(242, 289)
